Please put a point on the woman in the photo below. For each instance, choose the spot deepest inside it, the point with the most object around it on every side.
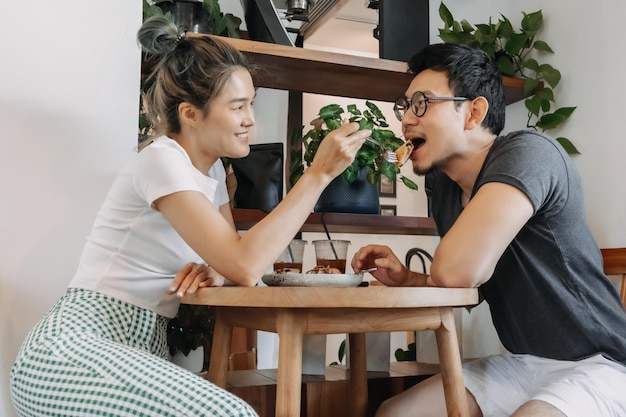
(101, 349)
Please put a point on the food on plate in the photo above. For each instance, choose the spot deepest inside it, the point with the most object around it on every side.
(287, 271)
(324, 269)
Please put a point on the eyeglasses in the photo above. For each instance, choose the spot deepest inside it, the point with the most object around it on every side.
(419, 103)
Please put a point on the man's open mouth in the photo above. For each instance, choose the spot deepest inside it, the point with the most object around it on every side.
(417, 142)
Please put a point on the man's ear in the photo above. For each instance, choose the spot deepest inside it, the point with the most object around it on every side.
(187, 113)
(478, 111)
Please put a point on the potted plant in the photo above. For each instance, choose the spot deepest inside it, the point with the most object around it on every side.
(511, 50)
(368, 157)
(355, 190)
(191, 329)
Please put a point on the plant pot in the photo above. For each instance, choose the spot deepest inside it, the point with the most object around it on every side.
(188, 14)
(193, 362)
(358, 197)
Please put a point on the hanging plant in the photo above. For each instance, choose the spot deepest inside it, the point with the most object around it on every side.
(511, 50)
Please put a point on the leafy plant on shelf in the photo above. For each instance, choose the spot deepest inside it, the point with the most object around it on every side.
(406, 355)
(191, 328)
(330, 118)
(222, 24)
(341, 354)
(511, 51)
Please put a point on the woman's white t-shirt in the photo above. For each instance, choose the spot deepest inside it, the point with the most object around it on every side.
(132, 252)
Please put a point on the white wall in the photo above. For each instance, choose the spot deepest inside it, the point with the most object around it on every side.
(69, 79)
(69, 84)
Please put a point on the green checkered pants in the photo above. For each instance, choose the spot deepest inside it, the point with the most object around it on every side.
(94, 355)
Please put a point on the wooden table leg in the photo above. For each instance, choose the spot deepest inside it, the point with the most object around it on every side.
(358, 374)
(290, 326)
(450, 360)
(218, 366)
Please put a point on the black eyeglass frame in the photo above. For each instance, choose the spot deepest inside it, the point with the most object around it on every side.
(402, 104)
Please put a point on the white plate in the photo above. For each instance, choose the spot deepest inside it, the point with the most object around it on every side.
(312, 280)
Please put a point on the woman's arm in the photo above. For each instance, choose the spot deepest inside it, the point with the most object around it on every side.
(244, 259)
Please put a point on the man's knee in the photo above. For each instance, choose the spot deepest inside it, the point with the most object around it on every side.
(538, 408)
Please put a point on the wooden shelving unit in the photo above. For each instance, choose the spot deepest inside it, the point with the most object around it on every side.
(320, 72)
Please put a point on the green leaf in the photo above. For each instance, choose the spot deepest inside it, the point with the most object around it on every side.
(483, 29)
(232, 25)
(552, 120)
(212, 7)
(467, 26)
(530, 84)
(389, 170)
(533, 104)
(504, 28)
(445, 15)
(531, 64)
(545, 94)
(331, 110)
(515, 43)
(542, 46)
(532, 22)
(410, 184)
(568, 146)
(352, 109)
(505, 65)
(332, 123)
(375, 110)
(550, 74)
(342, 351)
(560, 115)
(372, 176)
(450, 37)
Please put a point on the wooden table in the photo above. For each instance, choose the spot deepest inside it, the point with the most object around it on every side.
(292, 312)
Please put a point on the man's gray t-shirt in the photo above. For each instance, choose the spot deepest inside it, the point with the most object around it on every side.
(548, 294)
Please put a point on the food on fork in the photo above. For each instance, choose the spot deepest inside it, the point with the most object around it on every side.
(324, 269)
(403, 153)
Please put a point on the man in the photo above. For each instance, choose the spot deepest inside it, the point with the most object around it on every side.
(509, 210)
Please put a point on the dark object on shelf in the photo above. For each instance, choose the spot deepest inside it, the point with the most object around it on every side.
(188, 14)
(263, 23)
(402, 28)
(358, 197)
(259, 177)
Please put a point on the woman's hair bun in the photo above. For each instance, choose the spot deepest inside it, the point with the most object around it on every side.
(158, 35)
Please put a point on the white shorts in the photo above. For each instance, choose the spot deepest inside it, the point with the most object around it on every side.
(594, 386)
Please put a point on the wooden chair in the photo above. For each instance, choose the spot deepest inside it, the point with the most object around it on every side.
(615, 264)
(242, 360)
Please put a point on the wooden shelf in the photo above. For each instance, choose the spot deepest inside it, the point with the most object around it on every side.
(349, 223)
(325, 395)
(320, 72)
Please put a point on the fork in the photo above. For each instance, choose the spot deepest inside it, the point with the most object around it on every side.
(389, 155)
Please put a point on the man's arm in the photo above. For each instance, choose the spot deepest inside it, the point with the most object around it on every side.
(467, 255)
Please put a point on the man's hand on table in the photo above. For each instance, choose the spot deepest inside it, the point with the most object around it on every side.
(389, 269)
